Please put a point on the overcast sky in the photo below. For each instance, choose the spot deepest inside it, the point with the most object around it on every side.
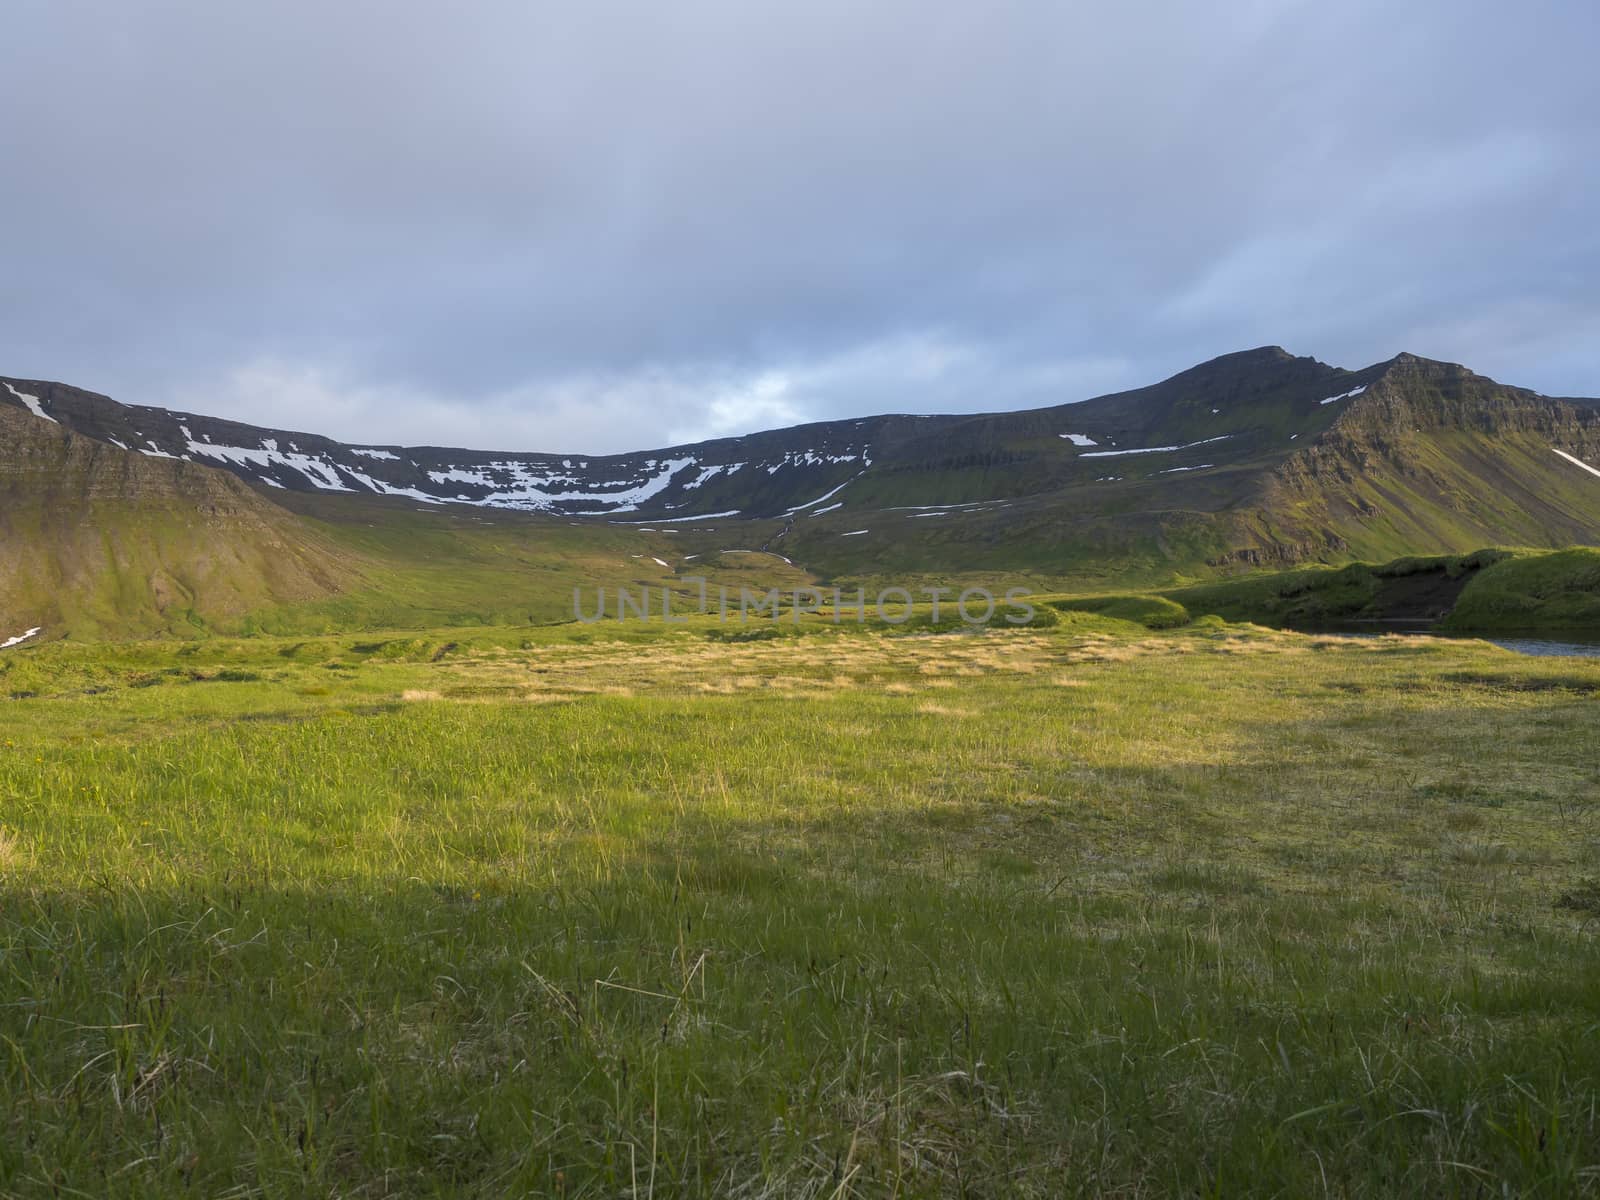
(603, 225)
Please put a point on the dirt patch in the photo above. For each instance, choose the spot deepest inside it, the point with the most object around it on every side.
(1421, 596)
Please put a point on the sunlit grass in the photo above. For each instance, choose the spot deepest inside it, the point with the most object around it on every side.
(617, 911)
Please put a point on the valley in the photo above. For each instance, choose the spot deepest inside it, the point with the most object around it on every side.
(1258, 459)
(800, 602)
(338, 856)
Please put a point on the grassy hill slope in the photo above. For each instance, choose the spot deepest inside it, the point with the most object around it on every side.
(97, 540)
(100, 542)
(1434, 459)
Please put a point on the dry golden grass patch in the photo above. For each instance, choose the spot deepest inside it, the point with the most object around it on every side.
(932, 709)
(888, 664)
(1103, 655)
(1022, 666)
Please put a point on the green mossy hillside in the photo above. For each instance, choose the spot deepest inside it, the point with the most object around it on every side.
(1529, 592)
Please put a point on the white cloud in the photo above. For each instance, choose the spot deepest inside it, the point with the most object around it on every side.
(622, 223)
(653, 407)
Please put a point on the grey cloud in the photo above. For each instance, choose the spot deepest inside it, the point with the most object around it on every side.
(612, 225)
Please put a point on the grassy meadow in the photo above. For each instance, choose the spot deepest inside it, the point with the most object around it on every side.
(1550, 594)
(632, 910)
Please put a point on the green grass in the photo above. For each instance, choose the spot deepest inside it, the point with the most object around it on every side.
(1559, 592)
(1487, 591)
(628, 910)
(1152, 612)
(1311, 594)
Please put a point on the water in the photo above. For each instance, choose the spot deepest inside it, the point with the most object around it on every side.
(1537, 647)
(1545, 649)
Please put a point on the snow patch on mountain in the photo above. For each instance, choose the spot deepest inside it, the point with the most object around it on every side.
(458, 475)
(321, 472)
(32, 404)
(732, 512)
(1079, 439)
(21, 637)
(965, 504)
(812, 458)
(377, 485)
(1157, 449)
(1577, 462)
(527, 491)
(825, 496)
(1350, 395)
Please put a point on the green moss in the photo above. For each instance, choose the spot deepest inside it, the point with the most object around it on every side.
(1152, 612)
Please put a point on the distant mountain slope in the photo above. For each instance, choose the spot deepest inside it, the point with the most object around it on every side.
(93, 538)
(1239, 408)
(760, 475)
(1251, 458)
(1435, 456)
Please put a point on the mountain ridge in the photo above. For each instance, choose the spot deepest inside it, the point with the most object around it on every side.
(1254, 458)
(692, 479)
(1436, 444)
